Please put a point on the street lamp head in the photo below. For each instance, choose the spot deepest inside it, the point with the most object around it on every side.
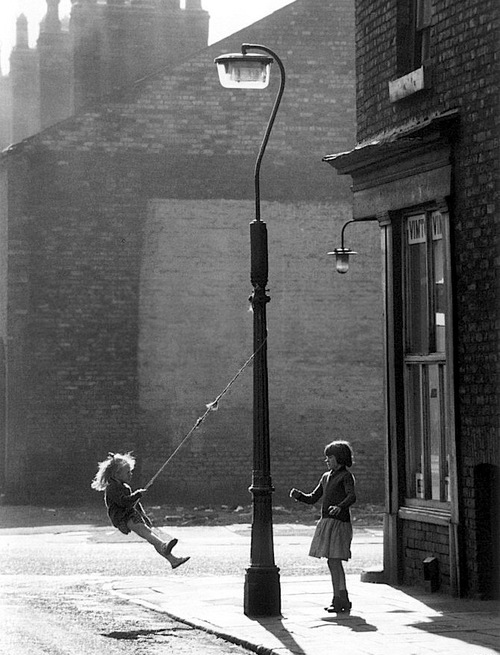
(244, 71)
(251, 71)
(342, 258)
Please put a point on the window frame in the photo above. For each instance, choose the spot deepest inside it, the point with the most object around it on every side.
(425, 361)
(413, 34)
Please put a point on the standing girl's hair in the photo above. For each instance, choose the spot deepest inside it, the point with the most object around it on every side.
(107, 469)
(342, 451)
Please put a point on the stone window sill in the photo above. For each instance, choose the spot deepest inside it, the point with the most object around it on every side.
(437, 513)
(405, 86)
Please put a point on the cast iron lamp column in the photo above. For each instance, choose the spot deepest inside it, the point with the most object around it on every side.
(262, 596)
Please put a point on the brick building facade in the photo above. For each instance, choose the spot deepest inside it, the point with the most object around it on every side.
(125, 278)
(426, 166)
(103, 47)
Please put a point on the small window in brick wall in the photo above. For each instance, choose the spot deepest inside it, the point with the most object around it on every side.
(426, 316)
(413, 34)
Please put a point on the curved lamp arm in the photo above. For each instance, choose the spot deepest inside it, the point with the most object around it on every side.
(342, 233)
(244, 49)
(342, 254)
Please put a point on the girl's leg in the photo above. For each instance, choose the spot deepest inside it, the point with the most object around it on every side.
(340, 601)
(338, 575)
(162, 547)
(147, 534)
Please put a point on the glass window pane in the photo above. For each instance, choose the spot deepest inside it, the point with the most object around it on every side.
(424, 13)
(439, 300)
(417, 317)
(414, 432)
(435, 431)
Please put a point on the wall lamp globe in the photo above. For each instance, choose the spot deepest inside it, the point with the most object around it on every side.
(342, 254)
(342, 258)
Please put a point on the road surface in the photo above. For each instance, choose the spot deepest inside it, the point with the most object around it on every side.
(53, 601)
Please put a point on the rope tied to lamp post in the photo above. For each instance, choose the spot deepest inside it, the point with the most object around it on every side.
(211, 407)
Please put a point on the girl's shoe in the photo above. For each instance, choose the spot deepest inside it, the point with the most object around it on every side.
(168, 547)
(343, 603)
(336, 605)
(177, 561)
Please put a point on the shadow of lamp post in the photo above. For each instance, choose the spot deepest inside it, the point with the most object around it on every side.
(262, 596)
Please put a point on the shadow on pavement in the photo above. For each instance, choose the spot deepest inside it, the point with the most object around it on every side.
(351, 621)
(471, 621)
(276, 628)
(132, 635)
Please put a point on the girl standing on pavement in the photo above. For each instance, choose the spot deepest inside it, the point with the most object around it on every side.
(124, 508)
(333, 535)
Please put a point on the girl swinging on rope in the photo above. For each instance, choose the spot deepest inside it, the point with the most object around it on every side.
(124, 508)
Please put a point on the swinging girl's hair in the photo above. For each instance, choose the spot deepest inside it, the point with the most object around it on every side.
(109, 467)
(342, 451)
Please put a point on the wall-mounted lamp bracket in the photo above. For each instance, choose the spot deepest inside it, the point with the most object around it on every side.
(342, 254)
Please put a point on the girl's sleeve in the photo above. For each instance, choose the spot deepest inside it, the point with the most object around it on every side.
(313, 497)
(350, 491)
(123, 496)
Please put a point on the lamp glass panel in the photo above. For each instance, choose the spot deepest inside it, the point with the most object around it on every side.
(243, 74)
(342, 262)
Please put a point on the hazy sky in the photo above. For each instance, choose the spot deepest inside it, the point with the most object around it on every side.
(226, 16)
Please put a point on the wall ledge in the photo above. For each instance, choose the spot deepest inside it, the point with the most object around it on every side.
(408, 84)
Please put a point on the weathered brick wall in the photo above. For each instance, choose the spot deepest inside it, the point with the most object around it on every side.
(115, 44)
(83, 193)
(324, 346)
(422, 540)
(73, 265)
(465, 75)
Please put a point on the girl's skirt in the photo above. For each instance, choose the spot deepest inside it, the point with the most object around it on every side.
(131, 516)
(332, 538)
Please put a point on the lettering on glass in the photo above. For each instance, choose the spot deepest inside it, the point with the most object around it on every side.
(437, 229)
(416, 229)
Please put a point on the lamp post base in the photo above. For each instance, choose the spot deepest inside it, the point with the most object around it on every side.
(262, 592)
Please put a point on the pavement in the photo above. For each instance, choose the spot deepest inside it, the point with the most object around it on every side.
(383, 619)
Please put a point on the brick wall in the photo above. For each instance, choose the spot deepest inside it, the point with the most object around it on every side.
(134, 224)
(464, 68)
(422, 540)
(117, 43)
(73, 267)
(324, 346)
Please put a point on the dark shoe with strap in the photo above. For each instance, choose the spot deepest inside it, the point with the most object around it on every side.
(344, 604)
(336, 606)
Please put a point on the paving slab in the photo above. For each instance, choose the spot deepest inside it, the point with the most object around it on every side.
(384, 619)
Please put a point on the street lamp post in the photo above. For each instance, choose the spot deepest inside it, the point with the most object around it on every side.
(262, 596)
